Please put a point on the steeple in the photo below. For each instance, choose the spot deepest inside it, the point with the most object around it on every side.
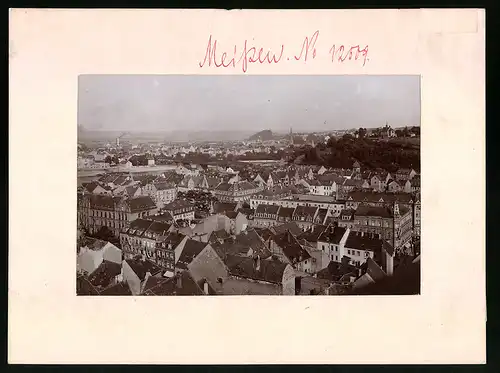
(291, 136)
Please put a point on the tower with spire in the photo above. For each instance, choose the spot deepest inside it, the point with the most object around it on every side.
(291, 136)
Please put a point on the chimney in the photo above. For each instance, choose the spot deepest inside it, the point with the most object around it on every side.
(205, 287)
(389, 264)
(257, 263)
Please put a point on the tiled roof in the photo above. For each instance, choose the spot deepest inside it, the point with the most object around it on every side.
(177, 204)
(120, 180)
(378, 211)
(231, 214)
(264, 233)
(368, 196)
(287, 227)
(172, 238)
(140, 203)
(223, 187)
(286, 212)
(90, 187)
(182, 284)
(131, 190)
(353, 182)
(94, 244)
(164, 217)
(104, 273)
(218, 235)
(213, 182)
(335, 271)
(103, 202)
(158, 228)
(118, 289)
(141, 267)
(138, 227)
(267, 209)
(332, 234)
(191, 249)
(359, 241)
(221, 208)
(270, 271)
(250, 238)
(164, 186)
(291, 247)
(305, 211)
(313, 234)
(322, 214)
(373, 269)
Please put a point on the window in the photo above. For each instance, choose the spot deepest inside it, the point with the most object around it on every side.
(349, 252)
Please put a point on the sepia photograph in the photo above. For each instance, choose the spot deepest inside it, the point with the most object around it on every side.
(248, 185)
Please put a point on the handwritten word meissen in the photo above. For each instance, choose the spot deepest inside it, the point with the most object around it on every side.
(306, 51)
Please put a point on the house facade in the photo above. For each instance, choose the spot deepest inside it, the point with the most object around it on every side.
(115, 213)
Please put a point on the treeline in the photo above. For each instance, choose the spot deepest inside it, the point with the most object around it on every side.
(371, 153)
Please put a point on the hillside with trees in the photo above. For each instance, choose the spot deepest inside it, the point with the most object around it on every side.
(262, 136)
(372, 153)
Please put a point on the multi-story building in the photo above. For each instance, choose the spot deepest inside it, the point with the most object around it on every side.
(392, 224)
(113, 212)
(338, 244)
(140, 237)
(307, 200)
(266, 216)
(162, 193)
(274, 194)
(304, 216)
(180, 210)
(331, 243)
(237, 191)
(152, 240)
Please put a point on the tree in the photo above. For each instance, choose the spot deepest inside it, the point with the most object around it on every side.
(362, 132)
(332, 141)
(415, 130)
(105, 234)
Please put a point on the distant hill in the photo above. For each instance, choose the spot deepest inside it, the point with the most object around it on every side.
(262, 135)
(167, 136)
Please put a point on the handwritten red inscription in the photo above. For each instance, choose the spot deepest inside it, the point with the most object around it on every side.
(308, 46)
(249, 54)
(353, 53)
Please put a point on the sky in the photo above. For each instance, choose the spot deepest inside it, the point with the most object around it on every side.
(246, 102)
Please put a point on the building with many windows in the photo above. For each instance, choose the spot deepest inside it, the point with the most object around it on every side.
(113, 212)
(239, 191)
(180, 210)
(392, 224)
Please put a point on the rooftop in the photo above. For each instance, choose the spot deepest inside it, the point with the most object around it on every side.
(332, 234)
(141, 267)
(269, 270)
